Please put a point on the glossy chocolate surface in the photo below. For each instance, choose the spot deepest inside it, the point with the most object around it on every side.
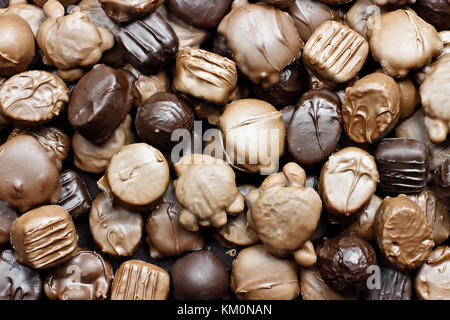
(435, 12)
(441, 183)
(123, 11)
(7, 216)
(74, 195)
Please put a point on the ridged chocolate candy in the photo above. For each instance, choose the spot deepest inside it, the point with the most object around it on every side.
(390, 285)
(74, 195)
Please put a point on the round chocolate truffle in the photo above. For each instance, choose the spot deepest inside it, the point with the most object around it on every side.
(435, 12)
(199, 276)
(441, 183)
(160, 116)
(344, 261)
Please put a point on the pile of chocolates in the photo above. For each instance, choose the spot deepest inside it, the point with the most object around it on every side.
(219, 149)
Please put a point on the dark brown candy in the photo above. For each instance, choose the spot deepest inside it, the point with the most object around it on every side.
(441, 183)
(100, 101)
(292, 84)
(201, 13)
(435, 12)
(315, 126)
(7, 216)
(4, 3)
(390, 284)
(344, 263)
(148, 44)
(17, 282)
(160, 116)
(219, 45)
(74, 195)
(122, 11)
(286, 114)
(403, 165)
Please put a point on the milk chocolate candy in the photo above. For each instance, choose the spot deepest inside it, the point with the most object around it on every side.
(33, 97)
(92, 158)
(149, 43)
(258, 275)
(116, 231)
(315, 127)
(420, 42)
(199, 275)
(371, 108)
(433, 279)
(216, 193)
(65, 3)
(392, 285)
(54, 141)
(86, 276)
(139, 280)
(17, 45)
(344, 262)
(44, 238)
(436, 214)
(261, 50)
(403, 165)
(166, 237)
(409, 99)
(205, 75)
(30, 177)
(200, 13)
(435, 12)
(403, 233)
(335, 53)
(7, 216)
(433, 90)
(441, 183)
(123, 11)
(18, 282)
(347, 182)
(254, 134)
(74, 195)
(363, 227)
(136, 177)
(93, 9)
(32, 14)
(358, 16)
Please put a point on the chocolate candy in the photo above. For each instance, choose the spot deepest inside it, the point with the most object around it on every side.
(96, 14)
(200, 13)
(86, 276)
(33, 97)
(347, 183)
(432, 280)
(258, 275)
(420, 42)
(30, 13)
(363, 227)
(30, 177)
(149, 43)
(116, 231)
(261, 50)
(435, 12)
(199, 276)
(205, 75)
(17, 45)
(403, 233)
(18, 282)
(371, 108)
(441, 183)
(65, 3)
(139, 280)
(315, 127)
(7, 216)
(344, 263)
(95, 110)
(392, 285)
(308, 15)
(93, 158)
(137, 177)
(166, 237)
(74, 195)
(403, 165)
(54, 141)
(409, 98)
(357, 17)
(122, 11)
(280, 3)
(335, 2)
(436, 214)
(335, 53)
(160, 116)
(219, 45)
(215, 195)
(44, 238)
(288, 90)
(251, 128)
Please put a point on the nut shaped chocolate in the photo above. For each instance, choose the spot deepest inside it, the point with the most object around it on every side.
(123, 11)
(206, 189)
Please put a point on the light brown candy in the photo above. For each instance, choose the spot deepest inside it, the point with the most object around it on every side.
(358, 15)
(29, 12)
(363, 227)
(123, 11)
(409, 97)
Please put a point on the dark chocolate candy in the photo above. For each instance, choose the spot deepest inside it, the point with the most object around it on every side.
(201, 13)
(390, 284)
(100, 101)
(403, 165)
(315, 127)
(441, 183)
(219, 45)
(74, 195)
(18, 282)
(4, 3)
(435, 12)
(148, 44)
(122, 11)
(286, 114)
(7, 216)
